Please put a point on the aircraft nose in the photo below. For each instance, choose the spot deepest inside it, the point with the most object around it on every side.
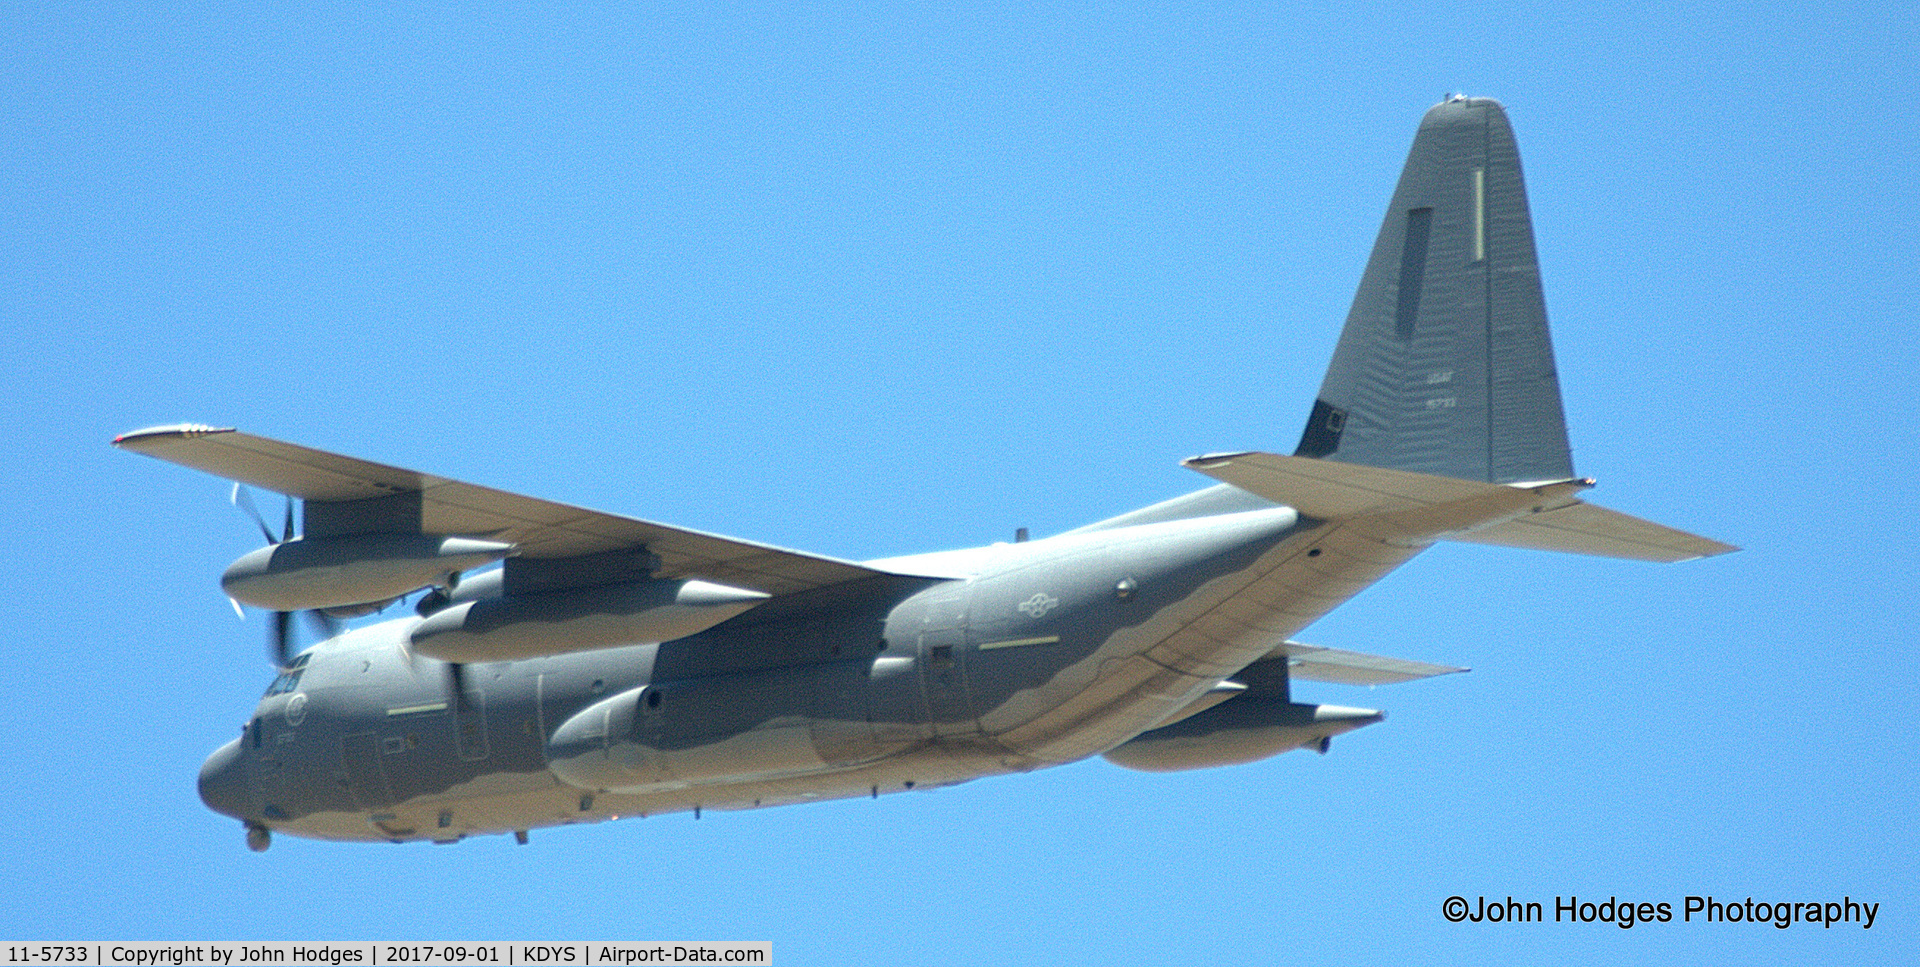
(223, 781)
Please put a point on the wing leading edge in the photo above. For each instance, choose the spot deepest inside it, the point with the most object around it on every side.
(537, 528)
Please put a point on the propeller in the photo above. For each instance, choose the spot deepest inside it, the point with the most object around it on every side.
(438, 598)
(243, 499)
(280, 632)
(433, 601)
(456, 671)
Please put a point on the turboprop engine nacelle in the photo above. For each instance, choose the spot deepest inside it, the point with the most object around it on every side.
(1239, 730)
(516, 626)
(335, 572)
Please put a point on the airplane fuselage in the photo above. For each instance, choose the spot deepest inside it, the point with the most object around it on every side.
(1043, 653)
(614, 666)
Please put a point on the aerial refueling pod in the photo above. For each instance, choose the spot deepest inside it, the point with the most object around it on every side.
(515, 626)
(1243, 729)
(335, 572)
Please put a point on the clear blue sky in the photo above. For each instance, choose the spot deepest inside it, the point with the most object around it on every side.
(868, 281)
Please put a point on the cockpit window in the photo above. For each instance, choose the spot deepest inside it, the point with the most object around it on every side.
(289, 679)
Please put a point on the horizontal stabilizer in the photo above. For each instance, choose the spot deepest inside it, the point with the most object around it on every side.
(1396, 505)
(1318, 664)
(1585, 529)
(1336, 491)
(1269, 678)
(1543, 516)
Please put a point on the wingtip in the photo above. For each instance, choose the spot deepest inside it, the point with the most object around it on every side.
(1208, 461)
(1718, 549)
(172, 431)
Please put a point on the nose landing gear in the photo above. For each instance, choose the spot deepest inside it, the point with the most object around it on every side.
(259, 837)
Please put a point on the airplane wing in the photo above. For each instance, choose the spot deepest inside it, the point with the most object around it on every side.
(538, 528)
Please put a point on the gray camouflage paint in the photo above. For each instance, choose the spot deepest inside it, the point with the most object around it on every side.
(1445, 365)
(1038, 659)
(1118, 637)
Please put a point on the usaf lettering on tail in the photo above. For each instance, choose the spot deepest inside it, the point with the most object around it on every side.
(567, 665)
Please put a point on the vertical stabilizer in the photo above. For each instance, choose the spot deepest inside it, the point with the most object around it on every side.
(1445, 366)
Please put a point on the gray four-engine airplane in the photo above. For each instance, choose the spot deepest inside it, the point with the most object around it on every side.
(568, 666)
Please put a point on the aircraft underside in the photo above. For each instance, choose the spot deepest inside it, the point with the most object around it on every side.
(969, 683)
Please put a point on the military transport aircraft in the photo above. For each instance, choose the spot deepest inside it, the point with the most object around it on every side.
(571, 666)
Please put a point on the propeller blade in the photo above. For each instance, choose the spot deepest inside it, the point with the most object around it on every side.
(280, 640)
(325, 625)
(280, 633)
(456, 674)
(243, 499)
